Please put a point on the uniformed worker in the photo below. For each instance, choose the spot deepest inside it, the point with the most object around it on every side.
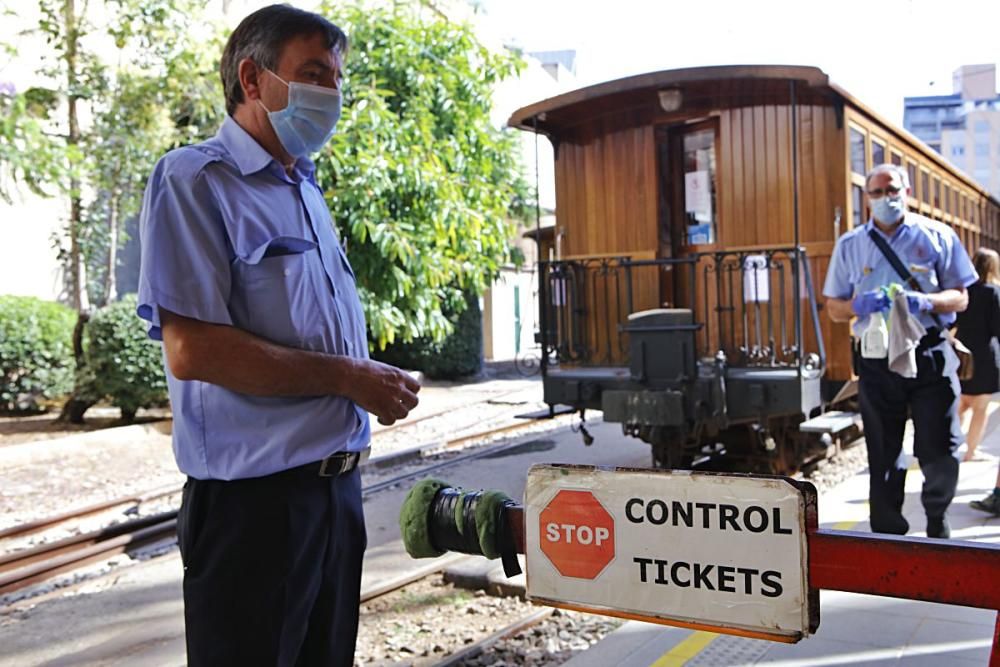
(858, 270)
(245, 282)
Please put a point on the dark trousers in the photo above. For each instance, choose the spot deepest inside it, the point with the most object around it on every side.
(272, 569)
(931, 401)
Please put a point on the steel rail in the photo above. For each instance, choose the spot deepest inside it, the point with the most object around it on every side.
(23, 568)
(39, 525)
(41, 571)
(480, 647)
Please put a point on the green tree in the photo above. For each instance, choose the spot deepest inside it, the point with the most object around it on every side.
(421, 185)
(138, 110)
(159, 89)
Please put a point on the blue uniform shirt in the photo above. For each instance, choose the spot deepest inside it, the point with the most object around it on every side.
(229, 238)
(929, 249)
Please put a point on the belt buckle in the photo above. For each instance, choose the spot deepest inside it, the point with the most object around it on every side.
(343, 460)
(324, 467)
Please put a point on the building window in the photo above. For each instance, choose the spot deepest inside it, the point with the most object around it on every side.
(878, 153)
(982, 149)
(982, 127)
(957, 150)
(859, 158)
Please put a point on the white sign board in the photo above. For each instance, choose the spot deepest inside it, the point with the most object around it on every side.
(694, 549)
(698, 195)
(755, 279)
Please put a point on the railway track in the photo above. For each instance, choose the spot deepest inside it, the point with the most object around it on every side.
(27, 567)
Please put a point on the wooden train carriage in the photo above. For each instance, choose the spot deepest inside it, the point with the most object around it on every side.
(671, 163)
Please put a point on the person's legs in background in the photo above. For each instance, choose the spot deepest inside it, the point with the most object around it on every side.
(991, 503)
(977, 424)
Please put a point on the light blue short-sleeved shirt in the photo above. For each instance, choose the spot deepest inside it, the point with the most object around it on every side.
(228, 237)
(929, 249)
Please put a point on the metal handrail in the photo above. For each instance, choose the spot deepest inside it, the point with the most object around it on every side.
(575, 292)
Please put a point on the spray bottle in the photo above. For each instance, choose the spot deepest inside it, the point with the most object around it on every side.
(875, 337)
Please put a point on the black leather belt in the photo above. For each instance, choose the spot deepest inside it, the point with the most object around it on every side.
(333, 465)
(337, 464)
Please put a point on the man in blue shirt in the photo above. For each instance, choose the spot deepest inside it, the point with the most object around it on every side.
(933, 254)
(245, 282)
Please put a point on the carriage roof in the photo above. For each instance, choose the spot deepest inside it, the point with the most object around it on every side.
(704, 88)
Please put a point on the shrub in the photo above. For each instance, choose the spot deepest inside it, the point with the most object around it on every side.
(459, 354)
(36, 351)
(121, 363)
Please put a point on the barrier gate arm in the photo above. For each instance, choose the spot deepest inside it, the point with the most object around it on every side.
(911, 568)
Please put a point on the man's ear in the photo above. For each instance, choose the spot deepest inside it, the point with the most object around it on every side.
(249, 74)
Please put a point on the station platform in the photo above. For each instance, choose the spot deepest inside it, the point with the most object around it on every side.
(854, 629)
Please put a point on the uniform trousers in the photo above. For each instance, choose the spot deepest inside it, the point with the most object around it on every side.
(272, 569)
(931, 401)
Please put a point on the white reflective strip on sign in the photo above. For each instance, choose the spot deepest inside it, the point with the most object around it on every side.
(725, 551)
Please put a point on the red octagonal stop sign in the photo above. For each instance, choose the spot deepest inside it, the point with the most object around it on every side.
(577, 534)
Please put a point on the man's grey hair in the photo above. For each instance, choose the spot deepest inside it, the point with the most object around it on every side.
(886, 168)
(261, 36)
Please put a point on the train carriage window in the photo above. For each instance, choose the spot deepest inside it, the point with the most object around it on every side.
(699, 186)
(878, 152)
(911, 171)
(857, 205)
(897, 160)
(925, 188)
(859, 157)
(937, 193)
(947, 210)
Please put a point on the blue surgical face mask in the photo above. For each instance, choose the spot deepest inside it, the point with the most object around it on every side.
(309, 120)
(888, 210)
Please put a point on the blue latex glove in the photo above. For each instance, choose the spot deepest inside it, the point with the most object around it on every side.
(918, 302)
(867, 303)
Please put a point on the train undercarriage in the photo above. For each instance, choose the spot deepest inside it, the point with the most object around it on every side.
(731, 372)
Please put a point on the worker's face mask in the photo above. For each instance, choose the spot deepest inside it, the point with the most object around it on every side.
(888, 209)
(308, 120)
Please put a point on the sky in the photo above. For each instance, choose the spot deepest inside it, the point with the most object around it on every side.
(878, 51)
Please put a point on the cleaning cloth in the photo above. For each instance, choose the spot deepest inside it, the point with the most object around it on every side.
(905, 332)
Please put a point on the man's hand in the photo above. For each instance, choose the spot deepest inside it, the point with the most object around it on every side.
(918, 302)
(383, 390)
(867, 303)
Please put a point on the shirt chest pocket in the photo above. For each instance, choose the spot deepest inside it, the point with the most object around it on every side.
(276, 296)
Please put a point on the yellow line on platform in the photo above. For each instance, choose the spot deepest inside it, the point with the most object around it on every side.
(844, 525)
(685, 650)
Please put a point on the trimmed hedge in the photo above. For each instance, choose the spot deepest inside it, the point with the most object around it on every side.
(36, 352)
(120, 362)
(458, 355)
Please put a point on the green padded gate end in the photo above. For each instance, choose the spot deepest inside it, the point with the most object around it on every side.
(413, 519)
(487, 513)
